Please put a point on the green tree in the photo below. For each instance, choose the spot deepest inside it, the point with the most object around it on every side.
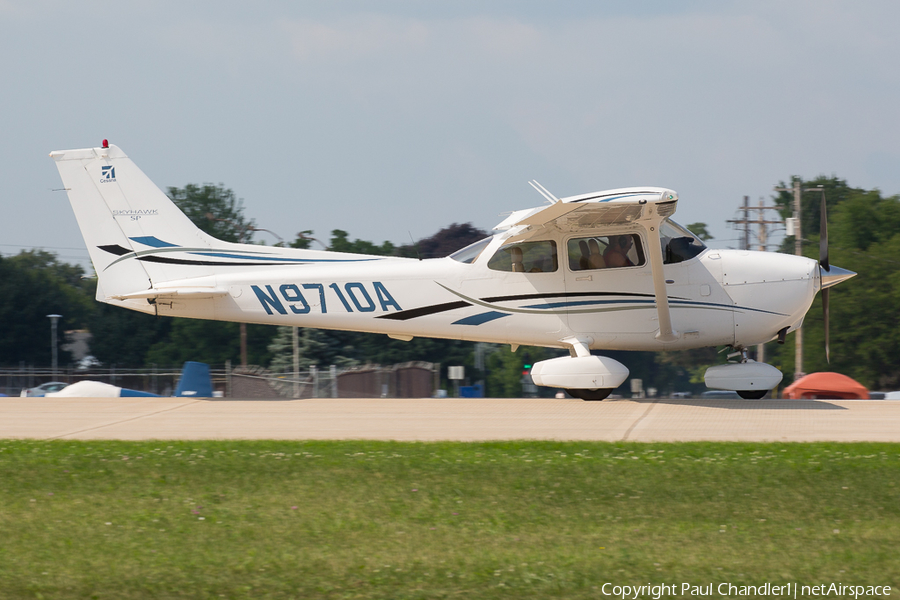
(864, 236)
(304, 240)
(836, 191)
(443, 243)
(340, 242)
(700, 230)
(505, 369)
(122, 337)
(214, 209)
(34, 284)
(212, 342)
(316, 347)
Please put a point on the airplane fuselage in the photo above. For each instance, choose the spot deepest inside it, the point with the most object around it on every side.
(720, 297)
(604, 270)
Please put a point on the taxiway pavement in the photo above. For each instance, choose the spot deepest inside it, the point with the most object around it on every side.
(462, 419)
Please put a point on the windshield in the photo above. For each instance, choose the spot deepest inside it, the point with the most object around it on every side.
(472, 251)
(678, 244)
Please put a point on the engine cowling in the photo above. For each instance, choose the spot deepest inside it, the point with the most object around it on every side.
(580, 372)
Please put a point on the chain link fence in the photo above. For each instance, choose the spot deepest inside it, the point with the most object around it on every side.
(405, 380)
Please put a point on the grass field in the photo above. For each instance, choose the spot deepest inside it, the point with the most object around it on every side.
(265, 519)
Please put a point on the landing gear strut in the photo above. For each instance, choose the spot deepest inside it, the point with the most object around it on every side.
(749, 394)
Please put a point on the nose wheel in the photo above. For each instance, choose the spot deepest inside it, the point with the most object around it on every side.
(599, 394)
(749, 394)
(749, 379)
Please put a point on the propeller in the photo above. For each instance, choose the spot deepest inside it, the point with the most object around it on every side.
(824, 267)
(828, 275)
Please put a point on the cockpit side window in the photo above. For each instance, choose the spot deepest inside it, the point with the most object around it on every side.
(472, 251)
(678, 244)
(526, 257)
(605, 251)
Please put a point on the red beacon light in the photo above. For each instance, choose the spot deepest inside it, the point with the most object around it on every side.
(105, 144)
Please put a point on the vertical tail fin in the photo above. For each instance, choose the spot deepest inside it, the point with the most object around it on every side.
(143, 247)
(195, 380)
(124, 216)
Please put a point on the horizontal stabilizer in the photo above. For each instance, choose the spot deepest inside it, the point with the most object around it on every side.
(183, 293)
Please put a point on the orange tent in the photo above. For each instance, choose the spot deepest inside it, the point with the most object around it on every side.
(826, 385)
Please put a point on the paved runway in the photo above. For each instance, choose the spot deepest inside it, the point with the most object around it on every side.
(451, 419)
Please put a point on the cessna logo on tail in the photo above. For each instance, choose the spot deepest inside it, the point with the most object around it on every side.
(107, 174)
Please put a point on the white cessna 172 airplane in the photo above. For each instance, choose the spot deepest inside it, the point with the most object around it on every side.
(607, 270)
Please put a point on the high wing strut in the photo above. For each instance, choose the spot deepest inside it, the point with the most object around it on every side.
(666, 332)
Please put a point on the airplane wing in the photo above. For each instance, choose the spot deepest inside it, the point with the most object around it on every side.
(612, 207)
(646, 207)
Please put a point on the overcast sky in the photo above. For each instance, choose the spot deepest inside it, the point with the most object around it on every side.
(395, 119)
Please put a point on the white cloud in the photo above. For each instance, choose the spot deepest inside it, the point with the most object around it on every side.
(353, 39)
(454, 109)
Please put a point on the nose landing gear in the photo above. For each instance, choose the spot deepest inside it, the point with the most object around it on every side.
(750, 379)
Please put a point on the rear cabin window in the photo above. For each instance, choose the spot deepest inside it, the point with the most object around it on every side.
(605, 252)
(526, 257)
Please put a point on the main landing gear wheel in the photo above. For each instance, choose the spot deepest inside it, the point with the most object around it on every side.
(591, 394)
(752, 394)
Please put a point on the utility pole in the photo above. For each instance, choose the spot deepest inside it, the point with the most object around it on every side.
(54, 319)
(762, 237)
(747, 219)
(798, 190)
(760, 221)
(798, 250)
(295, 344)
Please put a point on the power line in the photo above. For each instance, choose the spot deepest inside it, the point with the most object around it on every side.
(38, 247)
(761, 223)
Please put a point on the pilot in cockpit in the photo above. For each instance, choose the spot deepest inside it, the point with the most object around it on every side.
(616, 254)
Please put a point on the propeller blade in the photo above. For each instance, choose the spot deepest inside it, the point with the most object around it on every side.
(824, 268)
(823, 236)
(825, 294)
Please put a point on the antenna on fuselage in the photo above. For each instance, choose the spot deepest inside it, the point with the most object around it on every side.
(543, 192)
(415, 245)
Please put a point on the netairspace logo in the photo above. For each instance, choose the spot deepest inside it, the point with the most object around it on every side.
(107, 174)
(787, 590)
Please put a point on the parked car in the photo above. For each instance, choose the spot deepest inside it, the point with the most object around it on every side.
(43, 389)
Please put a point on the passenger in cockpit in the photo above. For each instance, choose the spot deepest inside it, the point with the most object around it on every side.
(595, 259)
